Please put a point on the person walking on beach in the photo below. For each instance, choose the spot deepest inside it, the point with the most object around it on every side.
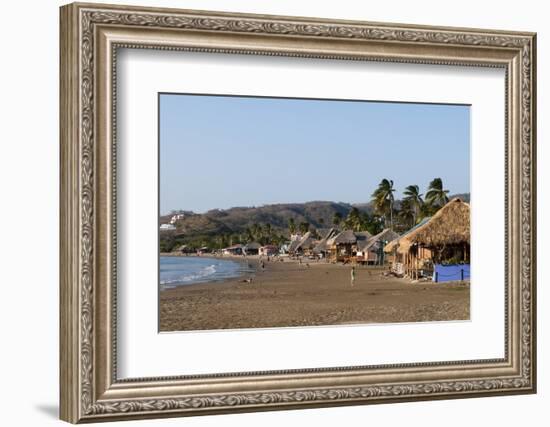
(352, 276)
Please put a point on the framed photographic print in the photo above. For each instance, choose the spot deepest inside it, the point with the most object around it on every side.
(265, 212)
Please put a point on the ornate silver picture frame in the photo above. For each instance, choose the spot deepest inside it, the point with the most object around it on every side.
(91, 390)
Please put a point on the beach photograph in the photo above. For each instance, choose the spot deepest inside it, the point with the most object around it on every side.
(296, 212)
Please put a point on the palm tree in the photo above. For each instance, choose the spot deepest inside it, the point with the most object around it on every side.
(256, 231)
(304, 227)
(436, 195)
(337, 218)
(414, 199)
(267, 231)
(291, 226)
(383, 199)
(407, 213)
(249, 235)
(353, 221)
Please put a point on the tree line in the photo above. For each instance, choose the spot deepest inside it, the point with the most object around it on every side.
(412, 208)
(387, 213)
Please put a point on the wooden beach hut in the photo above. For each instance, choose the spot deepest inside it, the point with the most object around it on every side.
(370, 251)
(295, 240)
(303, 245)
(406, 257)
(233, 250)
(203, 250)
(268, 250)
(444, 237)
(361, 238)
(252, 248)
(342, 246)
(184, 249)
(322, 248)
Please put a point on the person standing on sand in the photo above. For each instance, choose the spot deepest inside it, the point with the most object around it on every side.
(352, 276)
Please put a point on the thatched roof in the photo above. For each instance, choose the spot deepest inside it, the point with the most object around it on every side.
(395, 242)
(296, 242)
(252, 245)
(362, 235)
(449, 226)
(344, 238)
(322, 232)
(237, 246)
(293, 245)
(269, 247)
(329, 233)
(323, 245)
(306, 242)
(386, 235)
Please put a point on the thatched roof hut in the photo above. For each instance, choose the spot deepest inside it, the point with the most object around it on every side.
(341, 245)
(253, 246)
(303, 243)
(183, 248)
(444, 236)
(346, 237)
(323, 245)
(293, 245)
(268, 250)
(306, 242)
(295, 242)
(449, 226)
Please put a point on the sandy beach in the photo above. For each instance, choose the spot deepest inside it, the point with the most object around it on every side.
(308, 294)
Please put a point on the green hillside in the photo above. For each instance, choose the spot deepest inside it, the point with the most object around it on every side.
(270, 223)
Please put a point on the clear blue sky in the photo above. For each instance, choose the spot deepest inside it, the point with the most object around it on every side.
(220, 152)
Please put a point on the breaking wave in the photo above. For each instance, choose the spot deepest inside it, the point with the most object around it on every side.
(180, 271)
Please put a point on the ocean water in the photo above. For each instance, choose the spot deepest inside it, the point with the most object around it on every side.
(180, 271)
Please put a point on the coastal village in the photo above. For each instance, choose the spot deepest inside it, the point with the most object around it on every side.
(435, 248)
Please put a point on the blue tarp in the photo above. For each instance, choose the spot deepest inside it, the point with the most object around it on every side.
(447, 273)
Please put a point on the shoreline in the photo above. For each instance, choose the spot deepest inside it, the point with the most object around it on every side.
(252, 268)
(309, 294)
(244, 269)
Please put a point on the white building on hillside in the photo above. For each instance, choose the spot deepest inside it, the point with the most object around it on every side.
(167, 227)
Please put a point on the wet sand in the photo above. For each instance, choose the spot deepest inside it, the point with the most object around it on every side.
(292, 294)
